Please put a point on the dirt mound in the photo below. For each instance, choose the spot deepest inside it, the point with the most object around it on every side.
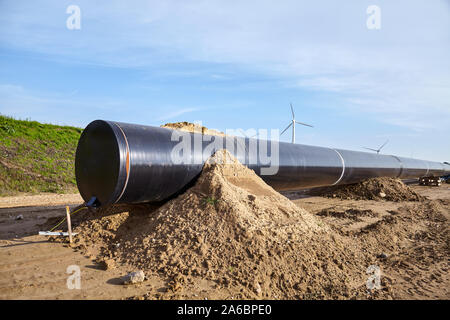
(233, 229)
(415, 241)
(192, 127)
(389, 189)
(352, 214)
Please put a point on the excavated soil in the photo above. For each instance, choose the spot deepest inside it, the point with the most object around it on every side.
(352, 214)
(389, 189)
(231, 236)
(408, 241)
(415, 243)
(192, 127)
(233, 229)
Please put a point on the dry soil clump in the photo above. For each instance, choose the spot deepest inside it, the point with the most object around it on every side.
(389, 189)
(233, 229)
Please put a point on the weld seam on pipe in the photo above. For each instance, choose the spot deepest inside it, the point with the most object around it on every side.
(128, 161)
(343, 168)
(401, 166)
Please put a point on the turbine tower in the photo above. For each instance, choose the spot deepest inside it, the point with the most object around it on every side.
(293, 122)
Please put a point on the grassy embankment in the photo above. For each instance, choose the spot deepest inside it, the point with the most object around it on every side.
(36, 157)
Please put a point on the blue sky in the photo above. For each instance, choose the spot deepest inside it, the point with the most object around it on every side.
(237, 64)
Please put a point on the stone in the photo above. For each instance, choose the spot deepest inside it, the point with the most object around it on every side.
(134, 277)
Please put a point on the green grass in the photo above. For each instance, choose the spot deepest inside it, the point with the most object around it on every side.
(36, 157)
(210, 200)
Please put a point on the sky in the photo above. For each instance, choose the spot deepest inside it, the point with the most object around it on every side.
(237, 64)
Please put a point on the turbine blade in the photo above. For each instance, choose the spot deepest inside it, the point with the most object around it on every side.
(304, 124)
(371, 149)
(292, 110)
(383, 144)
(243, 132)
(290, 124)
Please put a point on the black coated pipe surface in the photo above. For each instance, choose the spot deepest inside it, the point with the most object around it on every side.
(127, 163)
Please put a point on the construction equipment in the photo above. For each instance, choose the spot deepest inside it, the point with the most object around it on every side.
(127, 163)
(430, 181)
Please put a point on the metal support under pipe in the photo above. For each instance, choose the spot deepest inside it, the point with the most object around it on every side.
(127, 163)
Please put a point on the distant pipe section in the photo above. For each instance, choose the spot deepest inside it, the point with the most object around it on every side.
(127, 163)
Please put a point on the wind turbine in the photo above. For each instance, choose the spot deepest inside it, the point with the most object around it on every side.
(293, 125)
(379, 149)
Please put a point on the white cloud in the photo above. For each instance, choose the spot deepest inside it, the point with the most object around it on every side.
(24, 103)
(399, 74)
(176, 113)
(68, 108)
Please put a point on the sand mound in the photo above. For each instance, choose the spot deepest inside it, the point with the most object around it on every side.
(371, 189)
(233, 229)
(192, 127)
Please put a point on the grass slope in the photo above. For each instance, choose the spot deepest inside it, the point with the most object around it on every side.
(36, 157)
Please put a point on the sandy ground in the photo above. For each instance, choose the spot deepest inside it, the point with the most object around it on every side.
(47, 199)
(33, 268)
(418, 268)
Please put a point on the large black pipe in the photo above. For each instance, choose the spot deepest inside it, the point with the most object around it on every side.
(127, 163)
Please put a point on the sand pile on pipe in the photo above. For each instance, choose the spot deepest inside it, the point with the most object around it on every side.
(192, 127)
(233, 229)
(389, 189)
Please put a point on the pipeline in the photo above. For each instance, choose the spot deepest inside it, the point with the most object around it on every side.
(127, 163)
